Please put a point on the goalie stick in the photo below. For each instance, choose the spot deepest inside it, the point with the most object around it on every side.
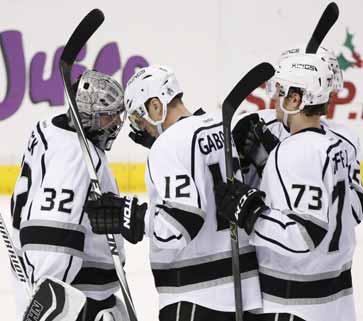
(14, 259)
(253, 79)
(86, 28)
(326, 22)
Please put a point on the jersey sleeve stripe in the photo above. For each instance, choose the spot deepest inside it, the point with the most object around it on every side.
(287, 198)
(280, 244)
(355, 215)
(33, 236)
(42, 137)
(283, 225)
(149, 171)
(67, 269)
(292, 290)
(44, 169)
(187, 276)
(170, 238)
(96, 276)
(55, 224)
(183, 221)
(185, 208)
(316, 232)
(32, 267)
(271, 122)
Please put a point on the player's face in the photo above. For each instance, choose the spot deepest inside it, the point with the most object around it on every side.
(107, 121)
(142, 124)
(278, 100)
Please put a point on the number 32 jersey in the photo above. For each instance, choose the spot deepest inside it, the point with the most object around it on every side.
(50, 228)
(305, 243)
(190, 247)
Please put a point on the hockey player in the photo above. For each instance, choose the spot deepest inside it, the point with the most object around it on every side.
(304, 230)
(190, 247)
(51, 230)
(257, 133)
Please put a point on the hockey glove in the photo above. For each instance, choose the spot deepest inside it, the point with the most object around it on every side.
(141, 137)
(254, 141)
(239, 203)
(112, 214)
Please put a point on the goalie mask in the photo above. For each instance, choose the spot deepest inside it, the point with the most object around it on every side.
(101, 106)
(329, 57)
(146, 83)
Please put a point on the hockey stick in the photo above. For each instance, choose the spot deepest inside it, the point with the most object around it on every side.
(78, 39)
(253, 79)
(326, 22)
(14, 259)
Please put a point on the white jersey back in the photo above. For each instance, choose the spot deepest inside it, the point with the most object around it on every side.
(305, 243)
(190, 249)
(51, 230)
(349, 139)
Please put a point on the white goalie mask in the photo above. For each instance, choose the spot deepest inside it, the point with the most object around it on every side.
(330, 58)
(150, 82)
(100, 95)
(308, 72)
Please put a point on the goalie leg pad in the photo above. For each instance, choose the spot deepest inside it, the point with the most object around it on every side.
(54, 300)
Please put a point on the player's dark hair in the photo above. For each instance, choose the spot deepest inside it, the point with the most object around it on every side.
(310, 110)
(177, 99)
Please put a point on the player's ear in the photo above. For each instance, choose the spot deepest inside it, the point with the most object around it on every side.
(295, 100)
(155, 108)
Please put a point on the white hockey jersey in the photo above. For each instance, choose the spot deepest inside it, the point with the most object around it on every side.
(332, 129)
(50, 228)
(305, 243)
(190, 248)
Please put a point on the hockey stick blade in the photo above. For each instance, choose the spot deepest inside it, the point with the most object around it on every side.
(252, 80)
(326, 22)
(81, 34)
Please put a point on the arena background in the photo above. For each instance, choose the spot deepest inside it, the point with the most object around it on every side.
(210, 44)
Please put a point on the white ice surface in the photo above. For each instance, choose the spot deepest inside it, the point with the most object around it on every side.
(140, 277)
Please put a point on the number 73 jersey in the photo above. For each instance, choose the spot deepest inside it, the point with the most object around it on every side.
(305, 242)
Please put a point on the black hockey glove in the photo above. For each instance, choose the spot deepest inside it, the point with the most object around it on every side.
(112, 214)
(141, 137)
(239, 203)
(254, 141)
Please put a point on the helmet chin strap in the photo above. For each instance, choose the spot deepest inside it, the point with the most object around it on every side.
(289, 112)
(159, 124)
(159, 128)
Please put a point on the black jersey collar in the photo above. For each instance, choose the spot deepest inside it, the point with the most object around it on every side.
(320, 130)
(61, 121)
(198, 112)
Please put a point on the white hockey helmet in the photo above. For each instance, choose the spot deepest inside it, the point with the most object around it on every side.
(98, 94)
(308, 72)
(150, 82)
(330, 58)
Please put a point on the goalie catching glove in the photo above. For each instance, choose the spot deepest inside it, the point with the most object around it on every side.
(239, 203)
(112, 214)
(254, 141)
